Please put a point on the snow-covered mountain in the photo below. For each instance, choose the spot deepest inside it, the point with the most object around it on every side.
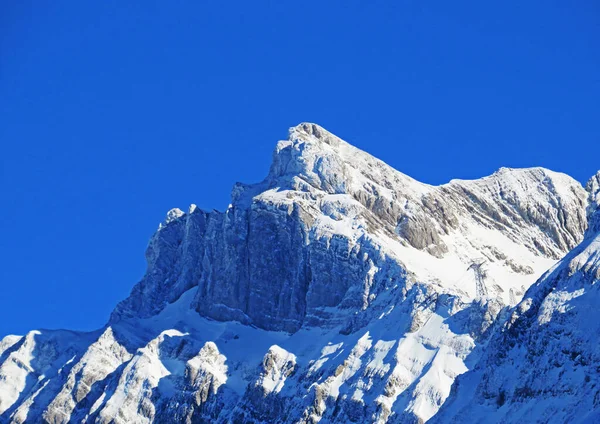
(340, 290)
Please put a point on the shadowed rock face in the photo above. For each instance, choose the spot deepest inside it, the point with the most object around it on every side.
(336, 290)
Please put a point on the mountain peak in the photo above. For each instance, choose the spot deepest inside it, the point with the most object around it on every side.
(314, 158)
(307, 131)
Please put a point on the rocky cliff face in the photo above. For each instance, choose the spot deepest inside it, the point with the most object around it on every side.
(336, 290)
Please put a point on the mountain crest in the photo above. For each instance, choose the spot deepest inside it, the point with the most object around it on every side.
(307, 131)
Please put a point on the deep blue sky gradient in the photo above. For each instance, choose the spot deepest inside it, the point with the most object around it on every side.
(113, 113)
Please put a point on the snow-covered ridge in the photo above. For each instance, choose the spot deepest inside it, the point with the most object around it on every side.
(336, 290)
(542, 366)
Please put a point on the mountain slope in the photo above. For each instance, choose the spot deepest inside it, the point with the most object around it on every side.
(336, 290)
(542, 366)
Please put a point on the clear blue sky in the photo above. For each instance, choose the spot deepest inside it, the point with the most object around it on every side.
(111, 114)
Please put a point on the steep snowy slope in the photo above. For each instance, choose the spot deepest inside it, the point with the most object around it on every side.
(336, 290)
(543, 365)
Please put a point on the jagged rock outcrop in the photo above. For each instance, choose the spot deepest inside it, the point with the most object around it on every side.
(336, 290)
